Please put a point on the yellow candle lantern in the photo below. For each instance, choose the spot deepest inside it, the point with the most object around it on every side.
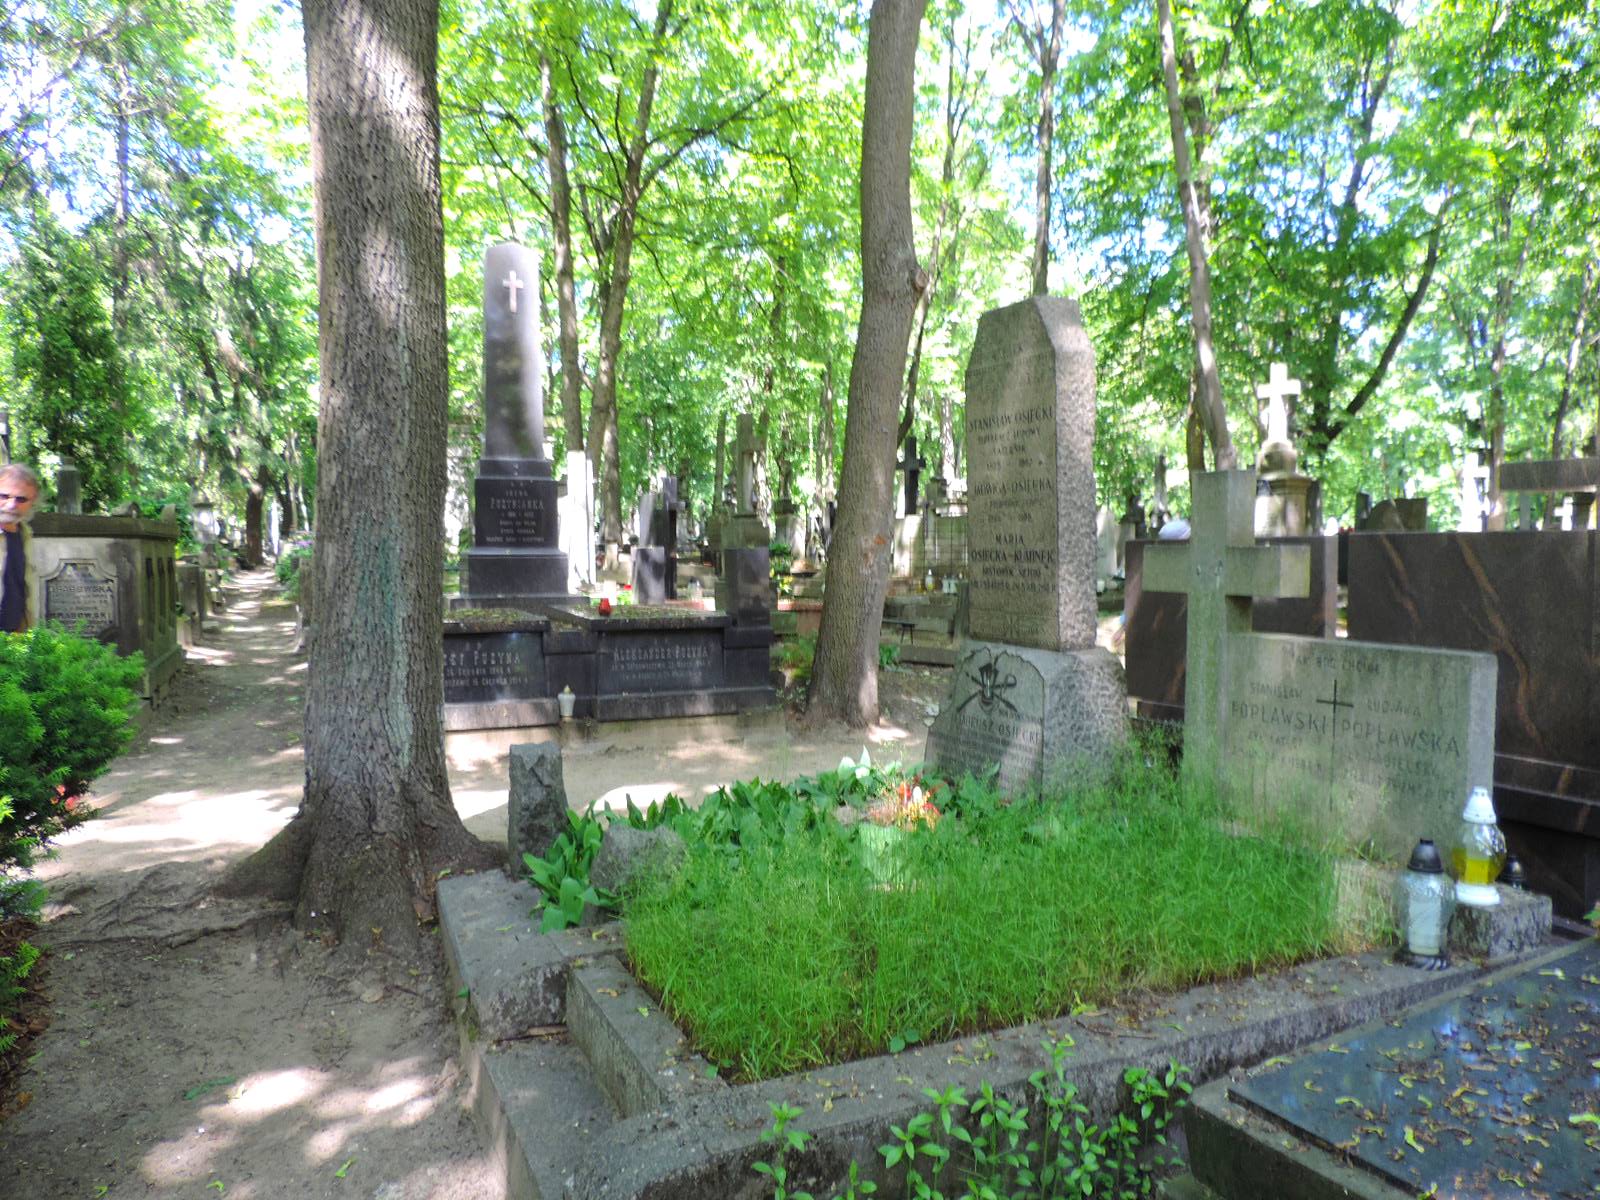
(1480, 852)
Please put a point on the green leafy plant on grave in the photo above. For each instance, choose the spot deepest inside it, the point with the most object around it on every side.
(992, 1147)
(562, 875)
(888, 655)
(796, 655)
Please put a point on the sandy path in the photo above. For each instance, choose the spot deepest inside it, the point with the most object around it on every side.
(195, 1044)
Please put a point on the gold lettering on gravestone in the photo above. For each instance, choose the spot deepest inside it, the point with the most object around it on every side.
(514, 515)
(653, 663)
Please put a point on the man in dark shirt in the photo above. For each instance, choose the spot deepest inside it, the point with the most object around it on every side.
(19, 488)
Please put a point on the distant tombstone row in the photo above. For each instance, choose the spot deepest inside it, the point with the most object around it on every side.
(655, 559)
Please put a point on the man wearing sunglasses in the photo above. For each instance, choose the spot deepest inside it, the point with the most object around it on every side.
(19, 488)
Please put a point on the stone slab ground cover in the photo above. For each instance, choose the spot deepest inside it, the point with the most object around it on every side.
(1488, 1090)
(669, 1128)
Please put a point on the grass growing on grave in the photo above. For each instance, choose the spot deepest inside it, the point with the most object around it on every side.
(802, 941)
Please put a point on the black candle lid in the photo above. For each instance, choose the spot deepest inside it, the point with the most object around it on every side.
(1425, 859)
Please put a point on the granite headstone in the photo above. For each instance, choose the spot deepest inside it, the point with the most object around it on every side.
(1031, 694)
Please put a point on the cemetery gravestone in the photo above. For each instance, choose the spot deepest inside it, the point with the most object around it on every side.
(1373, 745)
(118, 577)
(82, 598)
(1485, 1094)
(516, 560)
(655, 561)
(536, 802)
(745, 529)
(577, 522)
(1031, 693)
(1283, 506)
(69, 488)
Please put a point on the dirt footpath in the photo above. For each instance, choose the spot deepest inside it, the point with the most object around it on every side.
(204, 1049)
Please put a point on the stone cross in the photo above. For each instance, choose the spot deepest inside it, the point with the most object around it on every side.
(1277, 392)
(1222, 570)
(746, 449)
(513, 358)
(513, 285)
(1278, 455)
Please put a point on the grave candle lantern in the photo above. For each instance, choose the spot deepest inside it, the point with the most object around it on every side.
(1480, 852)
(1425, 902)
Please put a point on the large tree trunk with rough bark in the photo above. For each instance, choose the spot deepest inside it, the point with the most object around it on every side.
(1208, 399)
(603, 441)
(844, 679)
(376, 825)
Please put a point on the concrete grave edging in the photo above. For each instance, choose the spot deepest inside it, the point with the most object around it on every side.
(685, 1135)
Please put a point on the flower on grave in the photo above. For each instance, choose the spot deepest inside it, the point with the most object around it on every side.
(906, 807)
(605, 607)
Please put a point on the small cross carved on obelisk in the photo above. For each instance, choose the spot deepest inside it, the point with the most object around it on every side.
(1222, 570)
(512, 285)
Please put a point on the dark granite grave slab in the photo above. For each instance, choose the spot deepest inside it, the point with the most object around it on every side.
(1157, 624)
(744, 587)
(1533, 600)
(515, 512)
(653, 571)
(1494, 1092)
(666, 660)
(649, 661)
(494, 673)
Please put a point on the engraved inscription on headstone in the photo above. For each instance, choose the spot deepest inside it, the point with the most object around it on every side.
(79, 594)
(994, 717)
(493, 666)
(650, 662)
(1030, 449)
(1370, 743)
(513, 512)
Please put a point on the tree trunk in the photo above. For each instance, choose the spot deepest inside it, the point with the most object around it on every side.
(1208, 400)
(1574, 352)
(844, 680)
(1499, 327)
(1049, 54)
(603, 404)
(376, 824)
(255, 502)
(561, 235)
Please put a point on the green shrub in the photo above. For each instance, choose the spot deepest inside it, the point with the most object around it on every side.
(796, 656)
(295, 556)
(65, 704)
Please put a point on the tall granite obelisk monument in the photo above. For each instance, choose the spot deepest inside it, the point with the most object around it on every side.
(516, 559)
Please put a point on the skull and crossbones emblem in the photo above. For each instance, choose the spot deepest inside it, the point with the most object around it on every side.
(990, 689)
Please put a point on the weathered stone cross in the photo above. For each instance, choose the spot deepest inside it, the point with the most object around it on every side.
(1277, 392)
(1222, 570)
(513, 285)
(746, 449)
